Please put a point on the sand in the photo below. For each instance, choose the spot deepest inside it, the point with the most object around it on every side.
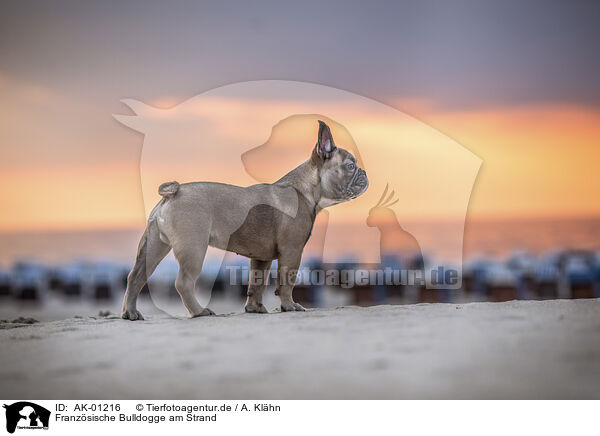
(519, 349)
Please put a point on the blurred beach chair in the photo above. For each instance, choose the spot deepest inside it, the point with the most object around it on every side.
(546, 278)
(307, 292)
(439, 294)
(387, 291)
(363, 291)
(501, 283)
(69, 280)
(597, 274)
(475, 278)
(523, 264)
(28, 281)
(579, 273)
(347, 269)
(104, 283)
(5, 286)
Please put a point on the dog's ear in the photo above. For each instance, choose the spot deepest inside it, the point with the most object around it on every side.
(325, 145)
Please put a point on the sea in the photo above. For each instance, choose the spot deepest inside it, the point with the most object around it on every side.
(492, 238)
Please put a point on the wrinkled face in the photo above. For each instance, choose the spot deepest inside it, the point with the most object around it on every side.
(341, 178)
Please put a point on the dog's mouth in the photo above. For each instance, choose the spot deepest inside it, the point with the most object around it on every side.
(358, 185)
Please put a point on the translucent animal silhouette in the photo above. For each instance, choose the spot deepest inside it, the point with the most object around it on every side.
(205, 137)
(394, 240)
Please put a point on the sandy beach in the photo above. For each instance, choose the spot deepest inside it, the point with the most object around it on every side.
(518, 349)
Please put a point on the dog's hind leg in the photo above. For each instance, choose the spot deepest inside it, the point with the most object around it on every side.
(151, 251)
(190, 258)
(259, 277)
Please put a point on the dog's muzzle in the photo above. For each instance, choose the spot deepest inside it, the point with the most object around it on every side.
(359, 183)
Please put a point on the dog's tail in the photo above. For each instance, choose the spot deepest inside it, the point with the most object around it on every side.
(168, 189)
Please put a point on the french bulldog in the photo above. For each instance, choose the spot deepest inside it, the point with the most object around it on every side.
(263, 222)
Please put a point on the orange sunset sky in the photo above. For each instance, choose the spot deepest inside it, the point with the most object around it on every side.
(529, 111)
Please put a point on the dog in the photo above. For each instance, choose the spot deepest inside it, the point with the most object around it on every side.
(263, 222)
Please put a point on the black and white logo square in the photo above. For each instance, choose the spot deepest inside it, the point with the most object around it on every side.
(26, 415)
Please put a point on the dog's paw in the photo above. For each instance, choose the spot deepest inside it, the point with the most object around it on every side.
(292, 307)
(205, 312)
(256, 308)
(132, 315)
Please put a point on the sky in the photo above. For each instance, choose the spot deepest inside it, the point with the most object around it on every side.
(515, 82)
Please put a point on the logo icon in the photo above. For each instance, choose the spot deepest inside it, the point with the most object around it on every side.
(26, 415)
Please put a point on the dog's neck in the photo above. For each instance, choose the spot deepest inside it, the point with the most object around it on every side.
(306, 180)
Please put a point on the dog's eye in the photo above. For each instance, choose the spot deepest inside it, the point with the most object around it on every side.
(350, 166)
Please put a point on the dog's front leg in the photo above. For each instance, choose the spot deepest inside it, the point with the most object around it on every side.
(287, 271)
(258, 280)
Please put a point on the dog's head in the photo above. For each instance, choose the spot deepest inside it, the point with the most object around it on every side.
(341, 179)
